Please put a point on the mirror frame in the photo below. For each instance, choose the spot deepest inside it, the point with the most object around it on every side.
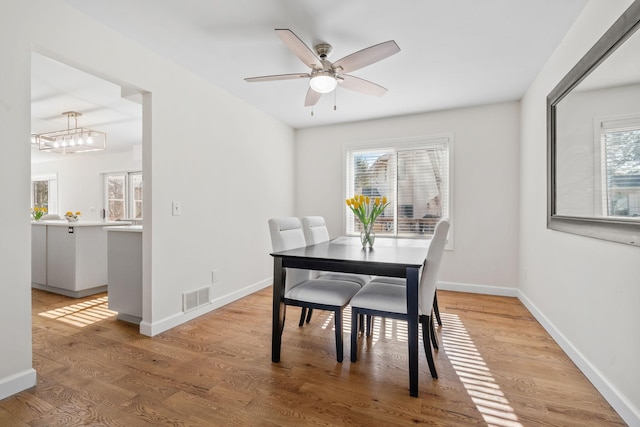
(619, 229)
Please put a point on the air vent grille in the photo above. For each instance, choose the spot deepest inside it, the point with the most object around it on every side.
(194, 299)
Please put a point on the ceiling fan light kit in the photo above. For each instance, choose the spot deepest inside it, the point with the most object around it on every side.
(71, 140)
(323, 82)
(325, 76)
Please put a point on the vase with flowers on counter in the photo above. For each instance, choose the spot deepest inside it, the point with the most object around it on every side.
(72, 217)
(38, 212)
(367, 209)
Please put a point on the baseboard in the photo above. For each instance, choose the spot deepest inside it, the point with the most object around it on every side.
(17, 382)
(68, 293)
(478, 289)
(155, 328)
(624, 408)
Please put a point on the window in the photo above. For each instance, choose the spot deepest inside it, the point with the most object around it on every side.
(123, 196)
(620, 168)
(44, 192)
(413, 176)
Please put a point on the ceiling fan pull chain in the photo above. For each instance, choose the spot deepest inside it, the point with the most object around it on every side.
(311, 111)
(335, 96)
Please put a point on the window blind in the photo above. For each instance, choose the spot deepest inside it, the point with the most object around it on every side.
(414, 179)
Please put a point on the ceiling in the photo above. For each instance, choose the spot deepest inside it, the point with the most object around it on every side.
(454, 53)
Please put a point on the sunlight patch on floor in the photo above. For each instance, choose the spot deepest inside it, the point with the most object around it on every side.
(475, 375)
(83, 313)
(464, 357)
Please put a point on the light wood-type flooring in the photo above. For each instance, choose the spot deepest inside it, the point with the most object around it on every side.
(497, 367)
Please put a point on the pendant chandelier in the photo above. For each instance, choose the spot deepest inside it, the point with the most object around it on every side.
(72, 140)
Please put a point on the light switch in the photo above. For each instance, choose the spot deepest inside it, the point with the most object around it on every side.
(176, 208)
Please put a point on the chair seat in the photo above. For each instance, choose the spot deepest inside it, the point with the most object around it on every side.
(326, 292)
(360, 279)
(382, 297)
(390, 280)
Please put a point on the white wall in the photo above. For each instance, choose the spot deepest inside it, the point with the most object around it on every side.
(485, 185)
(229, 164)
(80, 183)
(16, 372)
(584, 291)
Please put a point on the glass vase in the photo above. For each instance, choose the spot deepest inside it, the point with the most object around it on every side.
(367, 236)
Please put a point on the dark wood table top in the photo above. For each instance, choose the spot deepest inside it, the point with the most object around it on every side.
(389, 256)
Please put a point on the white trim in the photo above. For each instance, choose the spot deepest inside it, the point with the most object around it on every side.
(478, 289)
(155, 328)
(622, 405)
(17, 382)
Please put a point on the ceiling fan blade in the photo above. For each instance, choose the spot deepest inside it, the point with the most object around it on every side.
(361, 85)
(312, 98)
(365, 57)
(278, 77)
(298, 47)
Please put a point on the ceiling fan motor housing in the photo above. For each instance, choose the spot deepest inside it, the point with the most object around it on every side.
(323, 50)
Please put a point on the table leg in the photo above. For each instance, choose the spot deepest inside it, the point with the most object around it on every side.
(278, 309)
(412, 328)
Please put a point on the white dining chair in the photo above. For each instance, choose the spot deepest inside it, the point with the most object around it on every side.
(316, 231)
(301, 289)
(382, 299)
(402, 282)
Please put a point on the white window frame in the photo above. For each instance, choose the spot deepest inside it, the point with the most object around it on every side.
(129, 202)
(418, 142)
(602, 125)
(52, 201)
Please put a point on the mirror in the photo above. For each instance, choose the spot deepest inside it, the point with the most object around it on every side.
(593, 123)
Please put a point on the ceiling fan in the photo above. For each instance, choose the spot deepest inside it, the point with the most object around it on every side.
(325, 75)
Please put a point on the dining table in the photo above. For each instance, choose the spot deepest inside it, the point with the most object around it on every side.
(393, 257)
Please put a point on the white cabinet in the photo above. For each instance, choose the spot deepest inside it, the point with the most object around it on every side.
(125, 272)
(39, 254)
(69, 258)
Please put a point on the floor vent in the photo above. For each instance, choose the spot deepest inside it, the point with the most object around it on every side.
(194, 299)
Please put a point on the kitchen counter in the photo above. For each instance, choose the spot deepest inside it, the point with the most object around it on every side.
(125, 228)
(69, 258)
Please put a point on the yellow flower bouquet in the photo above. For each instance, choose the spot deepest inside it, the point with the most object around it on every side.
(367, 210)
(72, 217)
(38, 212)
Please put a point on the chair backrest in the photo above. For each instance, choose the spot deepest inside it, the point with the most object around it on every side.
(315, 230)
(286, 233)
(429, 275)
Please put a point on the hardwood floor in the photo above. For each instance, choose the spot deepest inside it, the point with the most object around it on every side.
(496, 366)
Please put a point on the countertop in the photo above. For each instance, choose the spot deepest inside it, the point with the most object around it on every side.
(81, 223)
(125, 228)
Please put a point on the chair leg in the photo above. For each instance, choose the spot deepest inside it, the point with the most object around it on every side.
(425, 334)
(361, 323)
(369, 325)
(426, 340)
(303, 314)
(434, 335)
(339, 346)
(354, 333)
(436, 310)
(309, 315)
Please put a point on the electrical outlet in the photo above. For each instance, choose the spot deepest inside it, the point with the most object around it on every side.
(214, 276)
